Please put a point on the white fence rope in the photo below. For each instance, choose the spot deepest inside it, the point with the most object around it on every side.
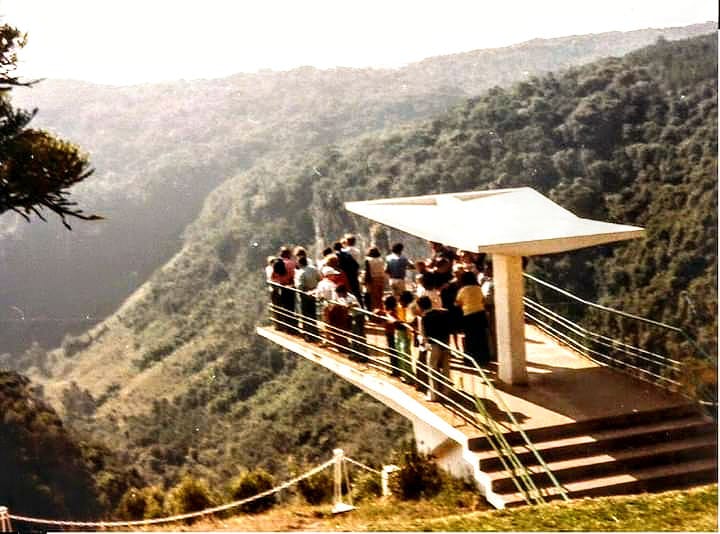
(363, 466)
(180, 517)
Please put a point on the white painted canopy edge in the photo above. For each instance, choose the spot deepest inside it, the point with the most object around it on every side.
(514, 222)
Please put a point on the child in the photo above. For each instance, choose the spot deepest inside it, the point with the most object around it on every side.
(403, 333)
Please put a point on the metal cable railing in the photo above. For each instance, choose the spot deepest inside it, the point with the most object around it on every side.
(356, 346)
(360, 349)
(590, 344)
(514, 425)
(645, 364)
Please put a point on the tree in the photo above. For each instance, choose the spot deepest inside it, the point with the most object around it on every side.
(36, 168)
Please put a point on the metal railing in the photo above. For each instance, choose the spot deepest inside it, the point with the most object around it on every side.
(549, 311)
(471, 408)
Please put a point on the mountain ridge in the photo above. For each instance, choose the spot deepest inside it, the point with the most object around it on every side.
(174, 143)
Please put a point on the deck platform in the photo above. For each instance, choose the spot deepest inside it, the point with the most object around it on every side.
(564, 387)
(602, 432)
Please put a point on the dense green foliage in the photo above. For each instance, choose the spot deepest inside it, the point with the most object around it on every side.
(418, 475)
(249, 484)
(45, 469)
(189, 495)
(146, 503)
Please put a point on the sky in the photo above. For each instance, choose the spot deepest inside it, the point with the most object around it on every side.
(126, 42)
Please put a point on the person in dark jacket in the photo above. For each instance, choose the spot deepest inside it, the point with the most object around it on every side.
(351, 268)
(436, 328)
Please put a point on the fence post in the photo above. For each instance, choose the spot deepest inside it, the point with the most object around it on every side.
(385, 478)
(338, 505)
(5, 524)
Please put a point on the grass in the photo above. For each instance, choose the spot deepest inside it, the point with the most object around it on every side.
(688, 511)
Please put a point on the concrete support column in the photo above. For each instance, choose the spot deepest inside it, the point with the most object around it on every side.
(510, 318)
(447, 452)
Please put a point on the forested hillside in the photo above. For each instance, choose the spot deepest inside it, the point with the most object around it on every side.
(178, 379)
(158, 150)
(46, 469)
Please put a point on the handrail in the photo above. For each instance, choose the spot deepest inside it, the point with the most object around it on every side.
(481, 419)
(621, 313)
(499, 400)
(668, 372)
(553, 332)
(383, 366)
(578, 329)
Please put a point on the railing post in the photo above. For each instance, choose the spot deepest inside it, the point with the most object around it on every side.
(385, 479)
(338, 505)
(5, 524)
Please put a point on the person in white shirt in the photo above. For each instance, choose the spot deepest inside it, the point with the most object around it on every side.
(488, 290)
(349, 247)
(426, 288)
(307, 279)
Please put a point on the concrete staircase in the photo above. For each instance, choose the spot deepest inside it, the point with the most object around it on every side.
(646, 451)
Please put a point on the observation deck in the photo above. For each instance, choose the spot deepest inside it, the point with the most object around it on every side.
(576, 428)
(565, 411)
(563, 387)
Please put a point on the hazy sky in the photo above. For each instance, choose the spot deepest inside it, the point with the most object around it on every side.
(133, 41)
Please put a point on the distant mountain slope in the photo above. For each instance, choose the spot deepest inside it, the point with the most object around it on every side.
(631, 140)
(160, 149)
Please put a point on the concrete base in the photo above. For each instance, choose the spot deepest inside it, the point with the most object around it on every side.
(455, 458)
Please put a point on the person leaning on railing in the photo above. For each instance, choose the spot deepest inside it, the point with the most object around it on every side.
(339, 316)
(390, 316)
(404, 333)
(325, 291)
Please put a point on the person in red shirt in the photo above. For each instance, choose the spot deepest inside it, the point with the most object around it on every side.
(284, 275)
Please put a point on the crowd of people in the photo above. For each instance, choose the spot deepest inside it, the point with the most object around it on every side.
(427, 304)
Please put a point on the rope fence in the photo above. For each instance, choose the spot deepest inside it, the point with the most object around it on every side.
(341, 475)
(363, 466)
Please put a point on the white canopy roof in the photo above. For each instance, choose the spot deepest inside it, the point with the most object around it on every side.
(516, 222)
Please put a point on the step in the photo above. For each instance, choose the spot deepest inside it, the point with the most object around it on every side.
(605, 441)
(654, 455)
(653, 479)
(591, 425)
